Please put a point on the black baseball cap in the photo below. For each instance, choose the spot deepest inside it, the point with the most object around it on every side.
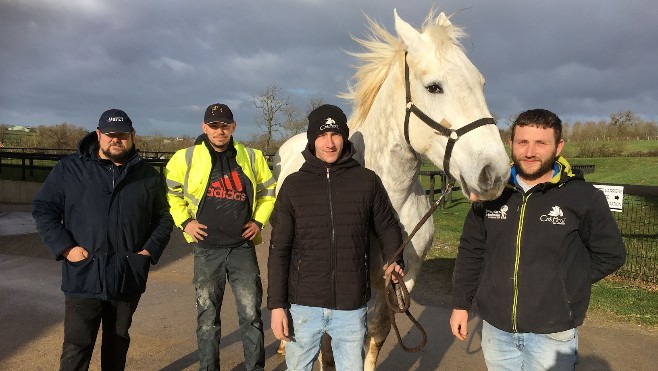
(115, 121)
(218, 113)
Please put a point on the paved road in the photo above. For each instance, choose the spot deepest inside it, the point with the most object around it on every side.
(31, 315)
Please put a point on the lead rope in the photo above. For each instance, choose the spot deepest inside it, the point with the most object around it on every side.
(398, 291)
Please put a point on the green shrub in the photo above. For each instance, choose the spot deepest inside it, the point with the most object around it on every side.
(599, 149)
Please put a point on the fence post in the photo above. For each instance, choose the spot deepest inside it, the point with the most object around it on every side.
(431, 188)
(23, 169)
(444, 185)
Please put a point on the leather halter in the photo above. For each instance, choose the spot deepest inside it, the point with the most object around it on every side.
(452, 135)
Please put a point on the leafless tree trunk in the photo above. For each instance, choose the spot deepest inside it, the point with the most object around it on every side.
(295, 123)
(271, 105)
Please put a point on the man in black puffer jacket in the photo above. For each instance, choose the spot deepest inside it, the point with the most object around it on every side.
(104, 213)
(318, 264)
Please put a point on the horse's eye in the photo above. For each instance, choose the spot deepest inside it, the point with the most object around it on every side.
(435, 89)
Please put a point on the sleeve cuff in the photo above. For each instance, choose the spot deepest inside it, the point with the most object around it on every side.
(185, 223)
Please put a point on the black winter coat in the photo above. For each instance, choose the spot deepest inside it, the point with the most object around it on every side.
(529, 258)
(112, 213)
(321, 226)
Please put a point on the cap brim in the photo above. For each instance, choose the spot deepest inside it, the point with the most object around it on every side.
(220, 122)
(115, 130)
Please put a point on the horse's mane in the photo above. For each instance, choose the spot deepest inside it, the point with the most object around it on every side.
(381, 51)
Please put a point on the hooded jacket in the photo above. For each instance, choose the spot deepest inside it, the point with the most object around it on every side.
(529, 258)
(321, 226)
(188, 172)
(112, 212)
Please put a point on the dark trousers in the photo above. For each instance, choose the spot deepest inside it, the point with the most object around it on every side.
(82, 319)
(212, 267)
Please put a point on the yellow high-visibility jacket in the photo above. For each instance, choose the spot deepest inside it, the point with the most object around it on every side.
(187, 174)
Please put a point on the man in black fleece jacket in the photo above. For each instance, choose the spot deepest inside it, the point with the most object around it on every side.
(318, 268)
(529, 258)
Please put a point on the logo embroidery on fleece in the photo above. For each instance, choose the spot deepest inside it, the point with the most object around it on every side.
(497, 214)
(555, 216)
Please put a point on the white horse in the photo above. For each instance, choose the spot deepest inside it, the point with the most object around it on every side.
(435, 110)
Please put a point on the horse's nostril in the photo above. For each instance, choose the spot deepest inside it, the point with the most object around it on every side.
(486, 179)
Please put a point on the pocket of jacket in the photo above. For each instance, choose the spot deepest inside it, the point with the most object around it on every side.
(135, 273)
(82, 277)
(564, 336)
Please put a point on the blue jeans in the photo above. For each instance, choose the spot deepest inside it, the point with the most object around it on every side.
(212, 267)
(529, 351)
(347, 329)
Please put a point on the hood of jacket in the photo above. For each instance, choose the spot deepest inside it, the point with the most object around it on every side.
(226, 160)
(562, 173)
(88, 148)
(316, 166)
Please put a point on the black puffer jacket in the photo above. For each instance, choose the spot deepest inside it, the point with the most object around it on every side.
(321, 226)
(113, 214)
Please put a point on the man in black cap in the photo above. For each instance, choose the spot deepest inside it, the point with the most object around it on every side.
(318, 267)
(103, 212)
(221, 194)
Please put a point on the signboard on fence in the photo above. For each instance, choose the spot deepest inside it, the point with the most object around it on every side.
(614, 195)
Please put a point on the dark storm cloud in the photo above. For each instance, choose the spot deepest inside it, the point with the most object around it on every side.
(164, 61)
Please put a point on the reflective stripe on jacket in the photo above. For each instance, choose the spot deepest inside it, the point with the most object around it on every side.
(188, 172)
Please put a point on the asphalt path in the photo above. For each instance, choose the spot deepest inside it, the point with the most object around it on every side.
(163, 337)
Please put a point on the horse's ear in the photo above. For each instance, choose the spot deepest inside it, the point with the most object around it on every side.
(409, 35)
(442, 20)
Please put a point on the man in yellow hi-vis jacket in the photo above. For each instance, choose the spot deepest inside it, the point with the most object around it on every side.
(221, 193)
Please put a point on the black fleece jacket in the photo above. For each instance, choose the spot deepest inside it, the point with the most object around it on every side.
(529, 258)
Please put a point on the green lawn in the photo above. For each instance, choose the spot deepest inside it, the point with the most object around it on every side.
(627, 146)
(632, 170)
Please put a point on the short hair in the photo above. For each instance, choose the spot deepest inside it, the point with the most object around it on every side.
(540, 118)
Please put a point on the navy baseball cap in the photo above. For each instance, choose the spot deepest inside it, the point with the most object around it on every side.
(115, 121)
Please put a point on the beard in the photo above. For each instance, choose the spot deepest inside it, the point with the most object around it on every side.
(545, 166)
(117, 153)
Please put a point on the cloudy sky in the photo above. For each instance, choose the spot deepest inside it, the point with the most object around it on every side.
(164, 61)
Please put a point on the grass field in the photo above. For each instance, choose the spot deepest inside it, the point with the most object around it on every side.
(633, 170)
(615, 298)
(627, 147)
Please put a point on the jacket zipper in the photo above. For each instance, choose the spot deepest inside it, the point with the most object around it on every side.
(517, 260)
(118, 256)
(333, 243)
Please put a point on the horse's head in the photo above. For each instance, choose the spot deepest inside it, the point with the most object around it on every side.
(446, 100)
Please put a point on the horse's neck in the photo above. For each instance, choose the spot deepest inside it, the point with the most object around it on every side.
(386, 152)
(382, 143)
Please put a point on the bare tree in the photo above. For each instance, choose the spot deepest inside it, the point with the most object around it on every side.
(624, 123)
(296, 122)
(60, 136)
(3, 131)
(271, 105)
